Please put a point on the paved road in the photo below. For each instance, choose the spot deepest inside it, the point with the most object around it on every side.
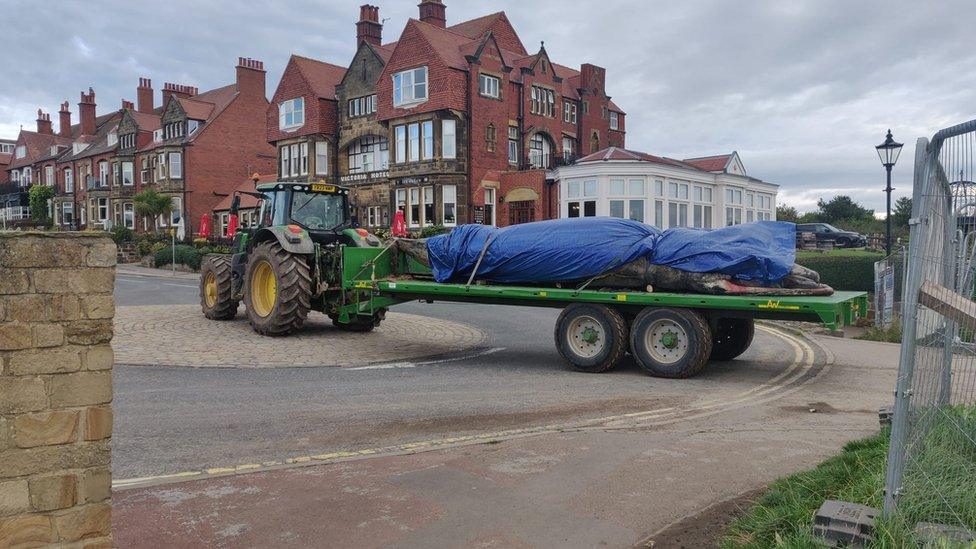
(175, 419)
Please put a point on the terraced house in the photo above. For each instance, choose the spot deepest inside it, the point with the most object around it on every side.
(450, 124)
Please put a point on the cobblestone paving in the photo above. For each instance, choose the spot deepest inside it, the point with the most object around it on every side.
(179, 335)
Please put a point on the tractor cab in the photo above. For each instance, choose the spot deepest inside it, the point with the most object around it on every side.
(322, 211)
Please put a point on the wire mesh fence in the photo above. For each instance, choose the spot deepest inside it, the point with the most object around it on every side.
(931, 471)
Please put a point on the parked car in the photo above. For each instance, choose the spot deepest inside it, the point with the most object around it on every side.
(826, 231)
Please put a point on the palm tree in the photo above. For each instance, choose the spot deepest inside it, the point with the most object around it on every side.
(152, 204)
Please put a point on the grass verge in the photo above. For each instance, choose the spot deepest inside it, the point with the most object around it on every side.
(940, 489)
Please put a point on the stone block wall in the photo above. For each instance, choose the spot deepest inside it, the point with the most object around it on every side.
(56, 310)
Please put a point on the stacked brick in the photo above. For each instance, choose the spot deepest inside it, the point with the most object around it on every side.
(56, 312)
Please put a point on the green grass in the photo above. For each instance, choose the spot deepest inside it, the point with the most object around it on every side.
(784, 515)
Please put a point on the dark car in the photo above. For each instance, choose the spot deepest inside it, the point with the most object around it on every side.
(826, 231)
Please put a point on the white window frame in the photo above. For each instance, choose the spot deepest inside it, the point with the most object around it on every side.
(449, 197)
(49, 176)
(67, 208)
(614, 123)
(177, 212)
(400, 137)
(20, 151)
(513, 148)
(321, 158)
(490, 201)
(569, 111)
(69, 182)
(489, 86)
(410, 87)
(291, 114)
(128, 215)
(448, 138)
(175, 165)
(130, 181)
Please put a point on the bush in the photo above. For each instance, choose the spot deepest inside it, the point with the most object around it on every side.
(432, 230)
(843, 270)
(185, 255)
(200, 242)
(121, 235)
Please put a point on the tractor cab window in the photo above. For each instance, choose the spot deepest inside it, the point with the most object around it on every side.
(271, 212)
(317, 211)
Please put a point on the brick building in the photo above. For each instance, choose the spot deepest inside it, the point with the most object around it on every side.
(195, 147)
(451, 124)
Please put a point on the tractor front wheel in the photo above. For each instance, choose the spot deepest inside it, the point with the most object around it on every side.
(216, 289)
(278, 290)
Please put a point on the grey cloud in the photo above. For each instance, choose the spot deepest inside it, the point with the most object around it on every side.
(803, 89)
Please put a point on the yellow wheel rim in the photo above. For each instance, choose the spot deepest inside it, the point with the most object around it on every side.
(210, 289)
(264, 289)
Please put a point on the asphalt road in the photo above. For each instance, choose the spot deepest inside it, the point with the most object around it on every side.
(171, 419)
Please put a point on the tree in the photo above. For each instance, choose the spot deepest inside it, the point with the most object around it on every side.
(787, 213)
(842, 208)
(38, 200)
(149, 203)
(902, 213)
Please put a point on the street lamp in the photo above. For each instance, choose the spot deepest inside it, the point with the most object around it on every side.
(888, 153)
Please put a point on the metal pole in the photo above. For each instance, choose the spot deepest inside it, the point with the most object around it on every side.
(173, 263)
(888, 216)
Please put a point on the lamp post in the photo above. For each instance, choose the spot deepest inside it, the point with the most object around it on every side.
(888, 153)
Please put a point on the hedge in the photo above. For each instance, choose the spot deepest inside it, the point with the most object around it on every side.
(847, 271)
(185, 255)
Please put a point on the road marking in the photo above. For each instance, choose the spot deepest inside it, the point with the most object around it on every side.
(782, 384)
(396, 365)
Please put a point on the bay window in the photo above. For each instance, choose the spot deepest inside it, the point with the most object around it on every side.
(413, 219)
(429, 216)
(428, 135)
(128, 215)
(69, 182)
(103, 174)
(368, 154)
(410, 87)
(414, 136)
(400, 133)
(127, 175)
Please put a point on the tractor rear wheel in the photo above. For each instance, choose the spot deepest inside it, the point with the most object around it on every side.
(278, 290)
(216, 289)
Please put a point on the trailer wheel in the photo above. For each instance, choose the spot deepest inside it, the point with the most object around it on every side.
(216, 289)
(672, 343)
(591, 338)
(732, 337)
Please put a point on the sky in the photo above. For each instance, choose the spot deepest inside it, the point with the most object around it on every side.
(802, 89)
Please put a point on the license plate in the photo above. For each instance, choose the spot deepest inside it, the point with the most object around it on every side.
(323, 188)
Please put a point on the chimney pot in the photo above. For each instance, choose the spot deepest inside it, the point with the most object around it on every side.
(369, 28)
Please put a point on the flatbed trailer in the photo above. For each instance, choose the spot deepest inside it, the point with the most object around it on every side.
(669, 334)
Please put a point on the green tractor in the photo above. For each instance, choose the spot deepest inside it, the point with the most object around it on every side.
(288, 263)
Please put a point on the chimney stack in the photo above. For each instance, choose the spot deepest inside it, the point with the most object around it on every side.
(144, 96)
(433, 12)
(128, 105)
(86, 112)
(44, 123)
(593, 78)
(250, 77)
(179, 90)
(369, 28)
(64, 126)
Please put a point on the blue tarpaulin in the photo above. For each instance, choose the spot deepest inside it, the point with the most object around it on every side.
(580, 248)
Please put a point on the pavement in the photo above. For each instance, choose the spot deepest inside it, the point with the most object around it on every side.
(500, 449)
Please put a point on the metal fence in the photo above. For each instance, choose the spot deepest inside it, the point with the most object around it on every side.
(932, 458)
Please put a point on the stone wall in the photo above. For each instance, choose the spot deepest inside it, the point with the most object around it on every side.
(56, 310)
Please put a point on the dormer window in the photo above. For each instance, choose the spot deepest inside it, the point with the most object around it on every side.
(410, 87)
(291, 114)
(54, 149)
(192, 126)
(173, 130)
(128, 141)
(21, 151)
(78, 147)
(157, 135)
(113, 138)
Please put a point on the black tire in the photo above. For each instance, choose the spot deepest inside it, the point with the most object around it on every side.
(731, 337)
(220, 304)
(685, 352)
(842, 243)
(360, 323)
(293, 283)
(609, 348)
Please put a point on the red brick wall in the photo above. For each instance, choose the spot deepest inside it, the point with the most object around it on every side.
(230, 149)
(445, 86)
(530, 179)
(320, 114)
(485, 111)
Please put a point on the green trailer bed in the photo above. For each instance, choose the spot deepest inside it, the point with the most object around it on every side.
(374, 280)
